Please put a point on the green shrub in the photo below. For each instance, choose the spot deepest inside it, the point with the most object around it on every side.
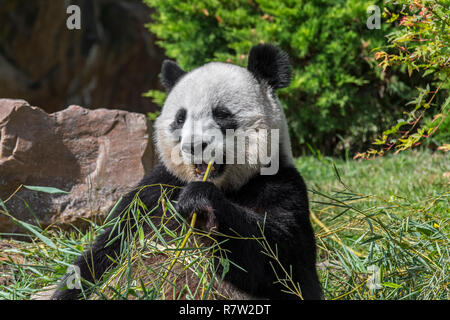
(421, 43)
(339, 97)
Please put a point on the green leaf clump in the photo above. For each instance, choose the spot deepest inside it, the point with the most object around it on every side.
(339, 97)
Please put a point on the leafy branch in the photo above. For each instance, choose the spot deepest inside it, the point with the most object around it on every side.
(421, 43)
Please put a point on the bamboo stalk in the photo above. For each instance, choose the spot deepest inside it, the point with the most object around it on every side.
(333, 237)
(191, 228)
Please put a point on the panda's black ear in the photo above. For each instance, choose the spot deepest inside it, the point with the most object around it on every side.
(170, 74)
(268, 62)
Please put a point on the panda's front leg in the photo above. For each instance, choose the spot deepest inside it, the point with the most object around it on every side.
(237, 229)
(201, 198)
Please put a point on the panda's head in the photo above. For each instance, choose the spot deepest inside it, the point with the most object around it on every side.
(226, 114)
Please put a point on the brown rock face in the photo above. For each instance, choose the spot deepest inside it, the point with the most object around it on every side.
(96, 155)
(108, 63)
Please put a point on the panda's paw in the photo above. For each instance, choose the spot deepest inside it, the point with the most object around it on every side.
(201, 198)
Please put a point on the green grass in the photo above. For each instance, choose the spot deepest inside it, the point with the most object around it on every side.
(412, 175)
(389, 215)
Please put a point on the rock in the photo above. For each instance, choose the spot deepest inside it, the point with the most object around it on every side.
(45, 293)
(95, 155)
(109, 62)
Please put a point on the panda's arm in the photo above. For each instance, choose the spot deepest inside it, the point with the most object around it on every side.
(290, 239)
(97, 259)
(287, 229)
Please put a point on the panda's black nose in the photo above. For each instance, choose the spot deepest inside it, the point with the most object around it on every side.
(192, 148)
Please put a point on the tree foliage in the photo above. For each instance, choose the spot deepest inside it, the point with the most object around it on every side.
(421, 42)
(339, 97)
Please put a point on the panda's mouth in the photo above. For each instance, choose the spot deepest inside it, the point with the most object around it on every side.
(200, 170)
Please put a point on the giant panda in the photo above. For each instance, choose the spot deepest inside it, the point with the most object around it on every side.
(237, 197)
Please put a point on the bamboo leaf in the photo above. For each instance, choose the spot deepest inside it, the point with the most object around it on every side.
(49, 190)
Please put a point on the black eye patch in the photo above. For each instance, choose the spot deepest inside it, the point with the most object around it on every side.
(180, 118)
(221, 113)
(224, 118)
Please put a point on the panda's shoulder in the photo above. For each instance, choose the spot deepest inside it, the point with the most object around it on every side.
(286, 184)
(159, 174)
(286, 178)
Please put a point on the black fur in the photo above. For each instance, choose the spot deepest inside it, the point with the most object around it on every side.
(278, 202)
(170, 74)
(179, 120)
(268, 63)
(224, 118)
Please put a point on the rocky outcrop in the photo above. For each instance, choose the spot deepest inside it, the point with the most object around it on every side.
(108, 63)
(95, 155)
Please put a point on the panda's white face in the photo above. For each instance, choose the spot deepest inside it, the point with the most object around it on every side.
(203, 114)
